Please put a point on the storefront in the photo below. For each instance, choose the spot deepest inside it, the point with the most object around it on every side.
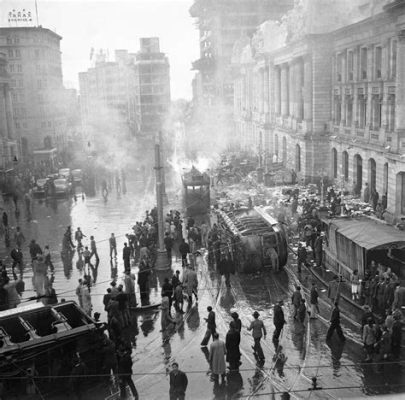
(353, 243)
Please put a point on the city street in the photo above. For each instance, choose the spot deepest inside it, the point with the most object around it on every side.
(337, 367)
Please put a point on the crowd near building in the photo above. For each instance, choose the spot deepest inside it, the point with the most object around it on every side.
(133, 90)
(325, 96)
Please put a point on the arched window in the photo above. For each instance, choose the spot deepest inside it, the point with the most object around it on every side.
(298, 158)
(358, 173)
(334, 163)
(276, 146)
(345, 165)
(385, 178)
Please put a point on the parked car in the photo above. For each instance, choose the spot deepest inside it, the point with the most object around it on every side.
(62, 187)
(65, 173)
(77, 175)
(41, 187)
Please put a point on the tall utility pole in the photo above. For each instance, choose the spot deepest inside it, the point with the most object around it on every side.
(162, 175)
(161, 259)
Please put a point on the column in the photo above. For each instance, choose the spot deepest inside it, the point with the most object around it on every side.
(400, 89)
(307, 89)
(284, 91)
(266, 89)
(277, 90)
(298, 91)
(291, 88)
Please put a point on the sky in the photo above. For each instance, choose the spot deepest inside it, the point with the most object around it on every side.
(117, 24)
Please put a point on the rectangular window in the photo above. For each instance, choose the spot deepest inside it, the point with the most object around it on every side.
(36, 53)
(9, 40)
(349, 111)
(13, 83)
(363, 63)
(10, 53)
(362, 111)
(19, 68)
(20, 83)
(39, 84)
(17, 53)
(378, 62)
(11, 67)
(339, 67)
(16, 39)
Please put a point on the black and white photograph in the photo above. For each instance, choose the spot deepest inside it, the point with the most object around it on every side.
(202, 199)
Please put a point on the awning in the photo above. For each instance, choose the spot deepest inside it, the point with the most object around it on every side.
(369, 234)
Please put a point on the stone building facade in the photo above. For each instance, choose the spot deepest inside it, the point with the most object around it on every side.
(8, 144)
(35, 69)
(328, 99)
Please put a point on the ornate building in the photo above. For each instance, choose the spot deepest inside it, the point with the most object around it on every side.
(326, 96)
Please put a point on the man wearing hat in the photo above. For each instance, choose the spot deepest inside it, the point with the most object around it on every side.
(257, 327)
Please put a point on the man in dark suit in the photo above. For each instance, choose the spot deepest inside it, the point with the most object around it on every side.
(178, 383)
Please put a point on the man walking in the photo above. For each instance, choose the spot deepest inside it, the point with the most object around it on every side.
(314, 301)
(17, 256)
(79, 237)
(19, 237)
(211, 326)
(113, 246)
(335, 324)
(126, 256)
(169, 242)
(279, 321)
(257, 327)
(178, 383)
(296, 300)
(125, 373)
(184, 249)
(93, 249)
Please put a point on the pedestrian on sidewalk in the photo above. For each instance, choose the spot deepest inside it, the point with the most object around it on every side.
(232, 342)
(178, 298)
(17, 257)
(217, 358)
(169, 242)
(79, 235)
(258, 330)
(355, 282)
(302, 312)
(211, 326)
(126, 256)
(302, 256)
(318, 250)
(314, 301)
(48, 261)
(178, 383)
(19, 237)
(335, 324)
(369, 339)
(184, 249)
(125, 373)
(93, 248)
(191, 283)
(113, 246)
(279, 321)
(296, 300)
(87, 258)
(167, 291)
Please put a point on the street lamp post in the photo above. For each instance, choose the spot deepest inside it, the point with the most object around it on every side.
(161, 258)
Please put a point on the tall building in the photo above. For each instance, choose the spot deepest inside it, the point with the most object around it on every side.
(152, 87)
(105, 90)
(35, 69)
(221, 23)
(326, 96)
(8, 144)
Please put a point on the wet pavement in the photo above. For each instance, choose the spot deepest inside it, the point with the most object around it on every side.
(338, 367)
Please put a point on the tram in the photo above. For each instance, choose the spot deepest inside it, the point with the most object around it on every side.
(40, 340)
(196, 192)
(250, 236)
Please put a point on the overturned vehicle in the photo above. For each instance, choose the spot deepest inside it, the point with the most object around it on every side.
(254, 238)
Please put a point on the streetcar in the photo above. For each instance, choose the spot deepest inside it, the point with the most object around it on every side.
(250, 236)
(196, 192)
